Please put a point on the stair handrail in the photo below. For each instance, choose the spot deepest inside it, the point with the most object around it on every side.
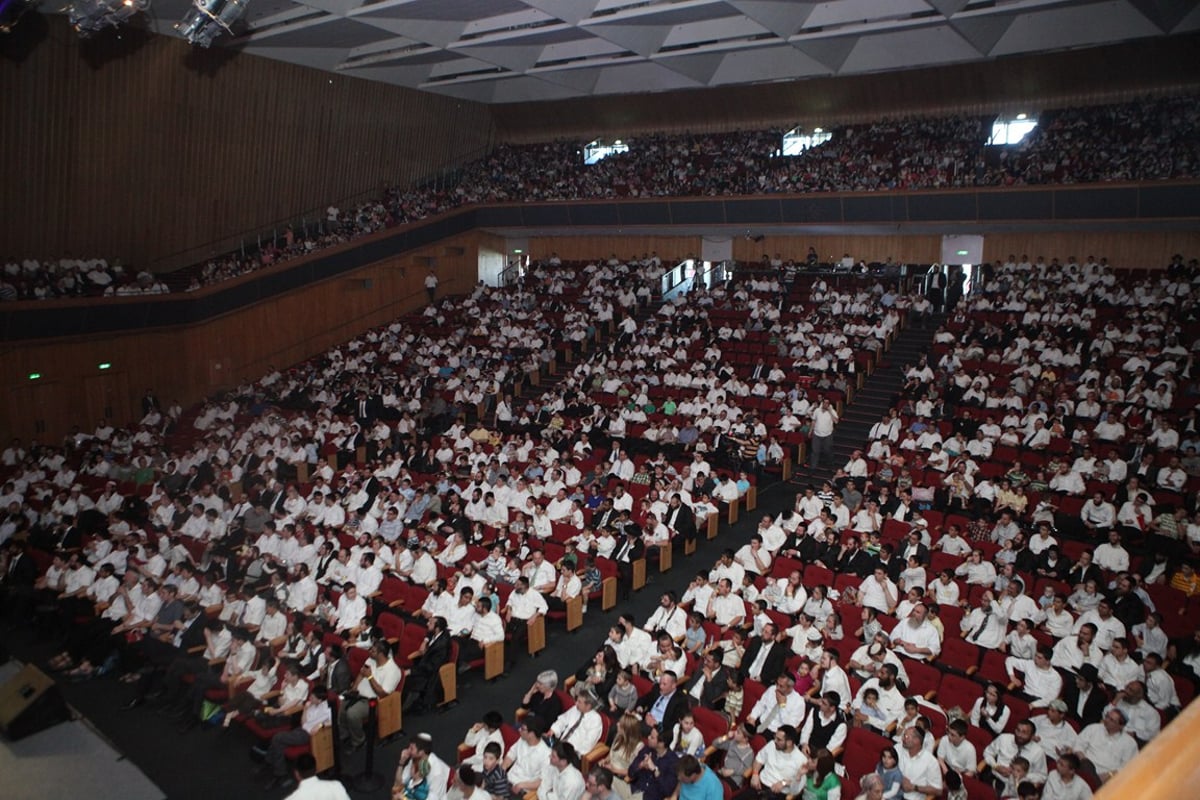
(690, 273)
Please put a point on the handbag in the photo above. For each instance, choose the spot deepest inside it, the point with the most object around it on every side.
(212, 713)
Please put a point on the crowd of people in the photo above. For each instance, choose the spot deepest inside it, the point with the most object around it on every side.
(260, 528)
(68, 277)
(1150, 139)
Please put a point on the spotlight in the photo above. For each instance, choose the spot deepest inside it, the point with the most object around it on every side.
(11, 11)
(208, 19)
(89, 17)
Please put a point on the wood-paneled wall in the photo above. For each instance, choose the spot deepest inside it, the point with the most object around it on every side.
(191, 363)
(575, 248)
(1111, 73)
(1141, 249)
(1137, 249)
(172, 148)
(900, 248)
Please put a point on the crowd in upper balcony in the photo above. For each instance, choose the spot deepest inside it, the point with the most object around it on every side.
(1151, 139)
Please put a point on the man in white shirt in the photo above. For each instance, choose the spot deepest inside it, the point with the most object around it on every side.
(1042, 682)
(669, 617)
(579, 725)
(1064, 783)
(379, 677)
(351, 610)
(922, 775)
(488, 628)
(890, 702)
(528, 758)
(878, 592)
(562, 780)
(1052, 731)
(1007, 746)
(985, 625)
(915, 637)
(522, 607)
(1107, 626)
(316, 714)
(726, 608)
(1112, 555)
(955, 751)
(824, 419)
(1105, 747)
(783, 706)
(778, 765)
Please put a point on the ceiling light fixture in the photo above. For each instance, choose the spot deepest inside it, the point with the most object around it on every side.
(89, 17)
(208, 19)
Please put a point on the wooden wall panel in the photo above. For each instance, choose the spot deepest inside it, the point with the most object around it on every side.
(189, 364)
(1110, 73)
(170, 154)
(601, 247)
(900, 248)
(1141, 249)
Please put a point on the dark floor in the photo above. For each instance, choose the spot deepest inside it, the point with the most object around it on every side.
(213, 763)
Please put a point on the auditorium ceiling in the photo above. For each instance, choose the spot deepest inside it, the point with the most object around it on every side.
(508, 51)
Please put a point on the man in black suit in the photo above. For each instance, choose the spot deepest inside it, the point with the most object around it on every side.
(339, 677)
(709, 683)
(853, 559)
(1084, 696)
(365, 409)
(421, 687)
(1084, 571)
(680, 519)
(624, 554)
(160, 652)
(16, 583)
(348, 444)
(913, 546)
(663, 706)
(765, 657)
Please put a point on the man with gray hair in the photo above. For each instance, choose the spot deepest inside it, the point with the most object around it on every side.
(580, 725)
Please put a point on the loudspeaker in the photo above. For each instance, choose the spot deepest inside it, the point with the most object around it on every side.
(30, 702)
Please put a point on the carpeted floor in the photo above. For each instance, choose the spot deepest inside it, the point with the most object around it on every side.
(214, 763)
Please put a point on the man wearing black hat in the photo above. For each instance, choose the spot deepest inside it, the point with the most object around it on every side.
(1084, 698)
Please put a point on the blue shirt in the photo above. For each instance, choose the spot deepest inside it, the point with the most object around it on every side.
(707, 788)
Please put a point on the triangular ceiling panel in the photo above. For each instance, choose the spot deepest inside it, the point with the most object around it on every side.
(1074, 27)
(700, 67)
(982, 32)
(1189, 23)
(767, 64)
(832, 53)
(783, 17)
(641, 39)
(515, 57)
(468, 48)
(327, 58)
(526, 89)
(641, 77)
(436, 32)
(338, 7)
(889, 50)
(583, 81)
(572, 11)
(1166, 14)
(949, 7)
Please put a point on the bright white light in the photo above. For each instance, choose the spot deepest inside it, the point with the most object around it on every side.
(598, 150)
(796, 141)
(1011, 131)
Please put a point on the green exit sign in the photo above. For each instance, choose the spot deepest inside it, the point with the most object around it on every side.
(963, 252)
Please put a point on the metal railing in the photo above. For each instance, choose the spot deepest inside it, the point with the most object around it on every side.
(308, 222)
